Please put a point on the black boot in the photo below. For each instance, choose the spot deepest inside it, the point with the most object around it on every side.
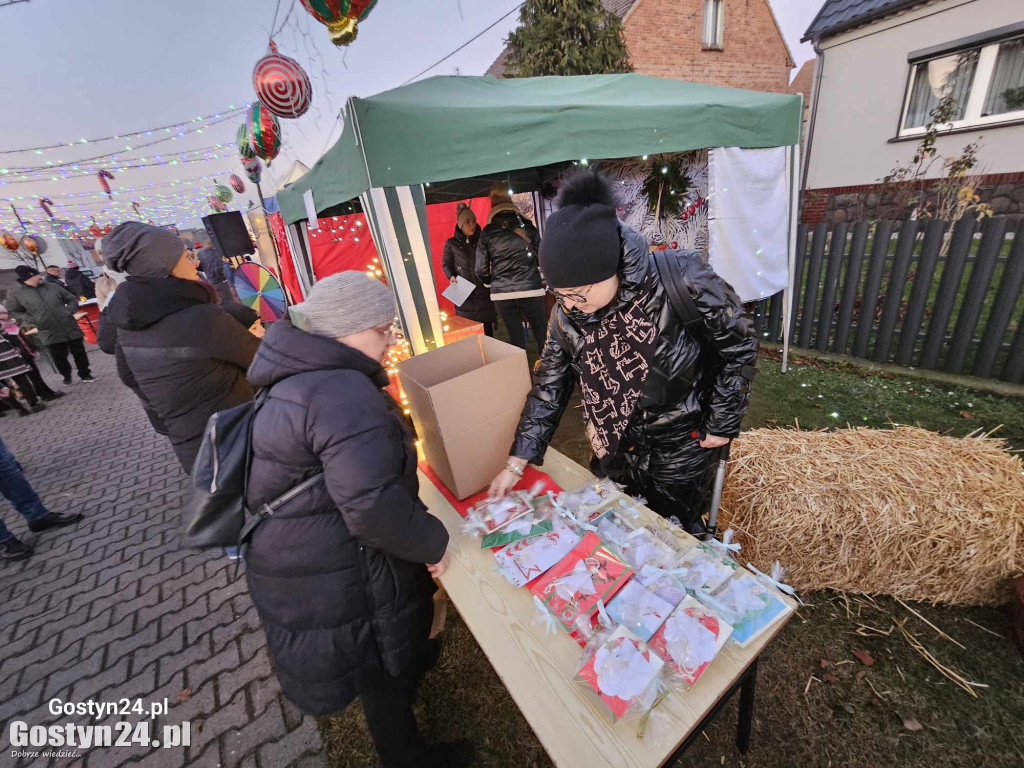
(14, 549)
(53, 520)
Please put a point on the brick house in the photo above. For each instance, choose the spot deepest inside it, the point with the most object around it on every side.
(882, 66)
(734, 43)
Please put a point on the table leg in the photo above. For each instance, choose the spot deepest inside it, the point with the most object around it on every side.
(746, 709)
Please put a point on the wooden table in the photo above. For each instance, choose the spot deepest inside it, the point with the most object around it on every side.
(538, 670)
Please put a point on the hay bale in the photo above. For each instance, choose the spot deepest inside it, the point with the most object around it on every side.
(903, 512)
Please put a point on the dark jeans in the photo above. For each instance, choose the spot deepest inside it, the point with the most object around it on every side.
(16, 490)
(59, 353)
(489, 329)
(533, 310)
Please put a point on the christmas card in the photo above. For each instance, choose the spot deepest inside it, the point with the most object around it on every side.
(588, 502)
(753, 606)
(523, 528)
(493, 515)
(590, 572)
(690, 639)
(705, 570)
(525, 560)
(621, 671)
(639, 610)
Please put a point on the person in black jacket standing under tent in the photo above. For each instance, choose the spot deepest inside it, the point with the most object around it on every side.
(460, 259)
(183, 356)
(506, 262)
(79, 283)
(340, 574)
(647, 381)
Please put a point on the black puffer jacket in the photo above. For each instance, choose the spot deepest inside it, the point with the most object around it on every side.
(337, 574)
(181, 354)
(460, 259)
(505, 261)
(694, 383)
(79, 283)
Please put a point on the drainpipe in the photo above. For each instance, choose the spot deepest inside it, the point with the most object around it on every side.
(819, 69)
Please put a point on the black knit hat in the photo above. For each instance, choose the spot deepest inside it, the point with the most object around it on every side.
(25, 272)
(581, 239)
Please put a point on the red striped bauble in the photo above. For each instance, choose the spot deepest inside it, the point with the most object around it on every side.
(282, 85)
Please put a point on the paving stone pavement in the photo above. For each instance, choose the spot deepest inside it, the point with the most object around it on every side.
(114, 608)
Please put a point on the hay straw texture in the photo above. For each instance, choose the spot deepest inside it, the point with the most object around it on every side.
(903, 512)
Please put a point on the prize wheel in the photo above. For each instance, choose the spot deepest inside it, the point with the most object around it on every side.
(258, 288)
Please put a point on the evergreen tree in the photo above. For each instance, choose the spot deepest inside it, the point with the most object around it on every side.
(566, 37)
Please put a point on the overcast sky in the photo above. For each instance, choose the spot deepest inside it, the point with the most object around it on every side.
(72, 69)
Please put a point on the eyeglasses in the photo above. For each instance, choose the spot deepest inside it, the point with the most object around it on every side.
(388, 330)
(576, 298)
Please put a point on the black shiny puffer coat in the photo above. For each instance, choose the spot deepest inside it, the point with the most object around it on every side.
(505, 261)
(460, 259)
(696, 381)
(338, 573)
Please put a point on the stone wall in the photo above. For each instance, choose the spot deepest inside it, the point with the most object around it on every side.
(873, 202)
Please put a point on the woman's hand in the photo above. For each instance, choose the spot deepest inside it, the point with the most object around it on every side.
(714, 441)
(506, 479)
(5, 392)
(437, 569)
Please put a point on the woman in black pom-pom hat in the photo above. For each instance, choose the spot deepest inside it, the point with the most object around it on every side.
(649, 380)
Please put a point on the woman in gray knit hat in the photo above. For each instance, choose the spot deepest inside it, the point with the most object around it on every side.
(182, 354)
(341, 575)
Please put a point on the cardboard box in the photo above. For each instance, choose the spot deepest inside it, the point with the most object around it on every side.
(466, 399)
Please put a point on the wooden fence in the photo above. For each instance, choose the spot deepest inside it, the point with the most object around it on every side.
(887, 291)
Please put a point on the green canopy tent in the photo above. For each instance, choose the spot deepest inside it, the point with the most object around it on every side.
(447, 128)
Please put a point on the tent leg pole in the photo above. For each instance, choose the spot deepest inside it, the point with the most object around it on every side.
(794, 208)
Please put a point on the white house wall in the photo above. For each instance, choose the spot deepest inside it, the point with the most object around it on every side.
(863, 88)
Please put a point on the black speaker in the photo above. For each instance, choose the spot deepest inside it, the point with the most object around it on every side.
(228, 234)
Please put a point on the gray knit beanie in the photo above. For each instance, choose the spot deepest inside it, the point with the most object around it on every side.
(142, 250)
(343, 304)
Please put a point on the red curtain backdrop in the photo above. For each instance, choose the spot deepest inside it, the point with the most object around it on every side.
(341, 244)
(335, 248)
(289, 279)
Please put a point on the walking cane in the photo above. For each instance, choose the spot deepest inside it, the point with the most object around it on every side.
(722, 458)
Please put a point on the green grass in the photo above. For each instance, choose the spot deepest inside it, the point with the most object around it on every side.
(848, 715)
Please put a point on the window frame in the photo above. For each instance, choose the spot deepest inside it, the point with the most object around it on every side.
(718, 6)
(988, 52)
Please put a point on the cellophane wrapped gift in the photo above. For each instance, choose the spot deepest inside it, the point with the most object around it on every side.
(623, 671)
(690, 639)
(589, 573)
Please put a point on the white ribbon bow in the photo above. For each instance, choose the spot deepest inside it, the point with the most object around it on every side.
(776, 569)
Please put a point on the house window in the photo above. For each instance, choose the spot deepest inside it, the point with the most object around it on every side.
(986, 82)
(714, 25)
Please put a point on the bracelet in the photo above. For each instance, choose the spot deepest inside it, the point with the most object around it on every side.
(513, 469)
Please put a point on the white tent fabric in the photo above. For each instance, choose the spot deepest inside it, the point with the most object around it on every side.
(748, 219)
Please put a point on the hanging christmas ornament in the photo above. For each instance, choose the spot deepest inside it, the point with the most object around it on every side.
(264, 132)
(222, 192)
(9, 241)
(341, 17)
(103, 176)
(216, 203)
(236, 183)
(253, 169)
(108, 229)
(244, 141)
(34, 245)
(45, 203)
(135, 206)
(281, 84)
